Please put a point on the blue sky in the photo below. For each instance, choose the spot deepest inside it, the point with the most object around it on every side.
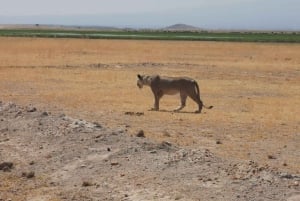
(209, 14)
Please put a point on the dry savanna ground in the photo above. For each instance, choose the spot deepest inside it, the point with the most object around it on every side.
(254, 88)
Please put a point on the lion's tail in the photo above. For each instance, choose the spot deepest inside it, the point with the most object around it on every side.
(198, 94)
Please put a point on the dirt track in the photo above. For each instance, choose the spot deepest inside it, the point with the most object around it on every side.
(254, 89)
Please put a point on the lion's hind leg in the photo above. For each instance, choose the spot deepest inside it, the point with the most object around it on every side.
(183, 101)
(197, 99)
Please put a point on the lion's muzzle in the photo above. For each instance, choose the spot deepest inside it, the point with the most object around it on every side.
(139, 84)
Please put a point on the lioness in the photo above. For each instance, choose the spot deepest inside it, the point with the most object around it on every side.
(161, 85)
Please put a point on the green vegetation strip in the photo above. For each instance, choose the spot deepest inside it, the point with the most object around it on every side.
(157, 35)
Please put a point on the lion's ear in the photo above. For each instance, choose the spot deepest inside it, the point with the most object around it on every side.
(139, 76)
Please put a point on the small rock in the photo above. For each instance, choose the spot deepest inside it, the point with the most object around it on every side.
(63, 116)
(167, 134)
(134, 113)
(139, 113)
(28, 175)
(108, 149)
(44, 114)
(86, 184)
(98, 136)
(6, 166)
(52, 183)
(118, 131)
(271, 157)
(5, 140)
(31, 109)
(140, 134)
(286, 176)
(218, 142)
(114, 163)
(121, 130)
(129, 113)
(97, 125)
(178, 197)
(18, 113)
(165, 143)
(296, 183)
(3, 130)
(31, 163)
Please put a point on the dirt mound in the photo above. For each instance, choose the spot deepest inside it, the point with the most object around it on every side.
(56, 157)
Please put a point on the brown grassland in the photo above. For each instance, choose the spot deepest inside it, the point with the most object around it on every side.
(254, 88)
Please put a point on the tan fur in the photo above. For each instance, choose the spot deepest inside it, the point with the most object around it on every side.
(161, 85)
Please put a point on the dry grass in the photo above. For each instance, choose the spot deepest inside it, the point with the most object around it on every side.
(254, 87)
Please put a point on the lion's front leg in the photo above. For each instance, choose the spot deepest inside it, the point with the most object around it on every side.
(157, 97)
(156, 103)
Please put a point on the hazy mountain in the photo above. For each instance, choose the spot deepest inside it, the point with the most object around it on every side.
(182, 27)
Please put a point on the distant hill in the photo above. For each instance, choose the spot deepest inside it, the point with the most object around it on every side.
(182, 27)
